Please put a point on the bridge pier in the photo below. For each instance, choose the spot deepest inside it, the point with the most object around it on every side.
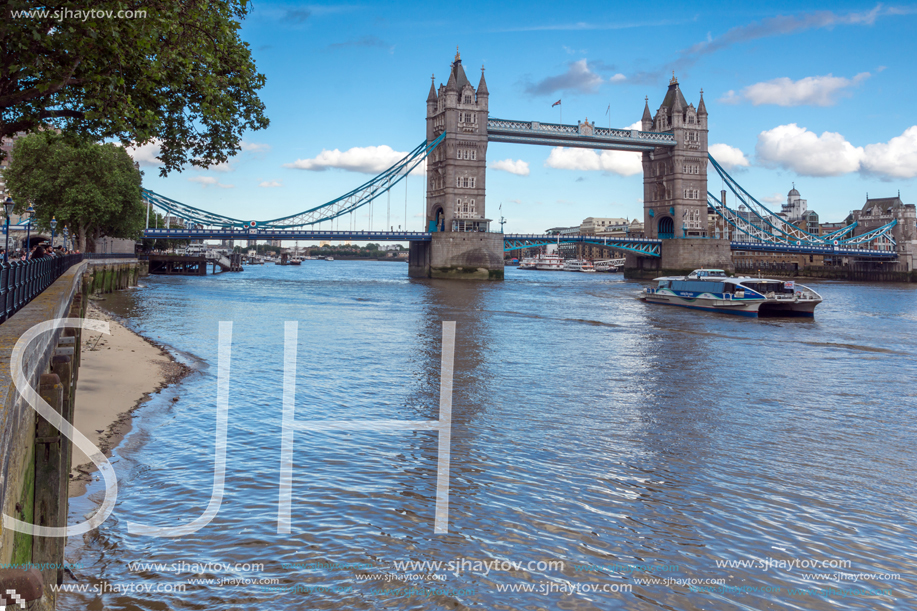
(679, 257)
(458, 256)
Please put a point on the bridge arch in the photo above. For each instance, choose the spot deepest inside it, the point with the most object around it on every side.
(666, 228)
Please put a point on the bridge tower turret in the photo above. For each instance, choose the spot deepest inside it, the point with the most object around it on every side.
(460, 245)
(675, 191)
(456, 170)
(675, 178)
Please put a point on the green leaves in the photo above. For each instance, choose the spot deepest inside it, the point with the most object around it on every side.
(181, 74)
(91, 188)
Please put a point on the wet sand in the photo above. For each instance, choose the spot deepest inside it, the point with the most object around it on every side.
(118, 373)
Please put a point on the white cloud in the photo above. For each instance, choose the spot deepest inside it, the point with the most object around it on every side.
(206, 181)
(254, 147)
(728, 156)
(809, 91)
(776, 198)
(224, 166)
(366, 160)
(796, 148)
(519, 168)
(270, 184)
(895, 159)
(578, 77)
(623, 163)
(146, 154)
(618, 78)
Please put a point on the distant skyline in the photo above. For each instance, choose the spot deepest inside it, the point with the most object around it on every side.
(796, 93)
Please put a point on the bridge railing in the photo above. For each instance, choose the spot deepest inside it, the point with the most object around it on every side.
(22, 281)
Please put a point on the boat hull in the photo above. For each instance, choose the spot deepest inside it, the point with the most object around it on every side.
(751, 308)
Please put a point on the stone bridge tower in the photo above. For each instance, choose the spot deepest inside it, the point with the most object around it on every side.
(456, 169)
(461, 245)
(675, 178)
(675, 191)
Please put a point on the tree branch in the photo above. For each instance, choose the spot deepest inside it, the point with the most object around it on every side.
(33, 93)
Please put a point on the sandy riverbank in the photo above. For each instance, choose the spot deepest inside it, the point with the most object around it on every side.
(118, 373)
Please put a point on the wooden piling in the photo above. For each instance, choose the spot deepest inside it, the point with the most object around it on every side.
(48, 493)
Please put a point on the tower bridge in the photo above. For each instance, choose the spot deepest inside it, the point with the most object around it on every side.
(458, 241)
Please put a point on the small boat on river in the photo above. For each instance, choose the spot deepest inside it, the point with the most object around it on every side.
(712, 289)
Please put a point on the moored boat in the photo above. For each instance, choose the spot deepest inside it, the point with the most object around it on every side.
(550, 262)
(578, 265)
(712, 289)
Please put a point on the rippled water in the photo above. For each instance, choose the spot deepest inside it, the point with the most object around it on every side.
(588, 428)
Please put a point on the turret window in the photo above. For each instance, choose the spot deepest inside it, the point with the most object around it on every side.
(464, 208)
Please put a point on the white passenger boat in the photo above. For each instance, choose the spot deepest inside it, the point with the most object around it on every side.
(528, 263)
(712, 289)
(578, 265)
(610, 265)
(553, 263)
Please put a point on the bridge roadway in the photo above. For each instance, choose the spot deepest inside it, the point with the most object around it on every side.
(512, 241)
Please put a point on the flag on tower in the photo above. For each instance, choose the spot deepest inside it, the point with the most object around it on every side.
(555, 103)
(609, 109)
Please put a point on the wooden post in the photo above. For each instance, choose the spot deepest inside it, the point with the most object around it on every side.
(48, 464)
(63, 367)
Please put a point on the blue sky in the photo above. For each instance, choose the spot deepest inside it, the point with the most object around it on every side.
(820, 94)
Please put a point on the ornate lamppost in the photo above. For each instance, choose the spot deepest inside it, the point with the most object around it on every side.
(30, 213)
(53, 227)
(8, 205)
(66, 233)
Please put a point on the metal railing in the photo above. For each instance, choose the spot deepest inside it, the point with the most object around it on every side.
(22, 281)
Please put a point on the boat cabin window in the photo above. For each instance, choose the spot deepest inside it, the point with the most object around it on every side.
(664, 284)
(768, 287)
(698, 286)
(709, 273)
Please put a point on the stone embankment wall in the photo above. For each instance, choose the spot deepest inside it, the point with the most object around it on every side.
(107, 275)
(34, 456)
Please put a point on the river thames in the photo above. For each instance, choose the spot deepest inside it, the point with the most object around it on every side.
(605, 453)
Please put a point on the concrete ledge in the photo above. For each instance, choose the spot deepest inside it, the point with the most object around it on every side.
(17, 418)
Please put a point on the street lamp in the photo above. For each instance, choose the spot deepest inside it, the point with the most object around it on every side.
(29, 212)
(66, 237)
(8, 205)
(53, 227)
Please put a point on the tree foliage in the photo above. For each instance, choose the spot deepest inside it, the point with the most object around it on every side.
(94, 189)
(176, 72)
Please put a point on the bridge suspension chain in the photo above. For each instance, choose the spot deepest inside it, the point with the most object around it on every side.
(345, 204)
(763, 225)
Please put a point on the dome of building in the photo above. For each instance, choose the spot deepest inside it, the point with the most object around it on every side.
(793, 192)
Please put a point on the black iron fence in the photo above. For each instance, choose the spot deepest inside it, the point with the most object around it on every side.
(22, 281)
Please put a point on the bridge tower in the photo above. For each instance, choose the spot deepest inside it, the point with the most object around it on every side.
(461, 245)
(675, 187)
